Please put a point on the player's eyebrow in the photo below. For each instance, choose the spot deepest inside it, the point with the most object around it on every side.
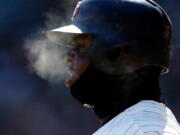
(82, 41)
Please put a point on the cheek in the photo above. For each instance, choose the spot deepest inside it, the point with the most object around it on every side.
(80, 64)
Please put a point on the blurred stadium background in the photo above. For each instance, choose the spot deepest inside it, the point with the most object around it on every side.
(30, 105)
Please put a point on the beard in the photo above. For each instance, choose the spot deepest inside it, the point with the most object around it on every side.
(112, 94)
(96, 88)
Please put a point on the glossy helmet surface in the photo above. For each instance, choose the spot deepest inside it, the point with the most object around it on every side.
(129, 34)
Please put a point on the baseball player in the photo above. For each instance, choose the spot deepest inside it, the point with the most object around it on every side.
(119, 49)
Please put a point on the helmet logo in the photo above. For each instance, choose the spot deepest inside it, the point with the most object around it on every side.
(76, 11)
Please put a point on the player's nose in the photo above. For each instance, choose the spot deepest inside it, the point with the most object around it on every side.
(69, 58)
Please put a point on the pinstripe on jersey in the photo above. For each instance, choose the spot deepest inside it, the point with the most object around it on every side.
(144, 118)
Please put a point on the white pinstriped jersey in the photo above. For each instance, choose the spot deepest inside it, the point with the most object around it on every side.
(144, 118)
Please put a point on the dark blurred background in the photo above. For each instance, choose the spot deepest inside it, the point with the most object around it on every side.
(30, 105)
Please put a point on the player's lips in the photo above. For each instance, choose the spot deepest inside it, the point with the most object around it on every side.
(73, 77)
(75, 73)
(77, 66)
(72, 74)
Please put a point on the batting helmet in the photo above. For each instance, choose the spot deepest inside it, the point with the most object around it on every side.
(129, 34)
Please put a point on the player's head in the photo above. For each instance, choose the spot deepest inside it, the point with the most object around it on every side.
(114, 42)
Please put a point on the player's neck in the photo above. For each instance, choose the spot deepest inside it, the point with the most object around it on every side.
(141, 88)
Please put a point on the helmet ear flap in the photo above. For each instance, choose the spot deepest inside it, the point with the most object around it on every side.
(116, 52)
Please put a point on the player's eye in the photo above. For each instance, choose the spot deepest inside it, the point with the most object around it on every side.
(80, 49)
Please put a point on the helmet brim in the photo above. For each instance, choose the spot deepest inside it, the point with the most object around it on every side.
(68, 29)
(64, 35)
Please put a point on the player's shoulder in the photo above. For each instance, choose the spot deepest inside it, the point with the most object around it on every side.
(153, 118)
(145, 118)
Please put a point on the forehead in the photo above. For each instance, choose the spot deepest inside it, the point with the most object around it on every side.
(82, 39)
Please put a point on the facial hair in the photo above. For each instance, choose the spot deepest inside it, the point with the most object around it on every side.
(95, 88)
(112, 94)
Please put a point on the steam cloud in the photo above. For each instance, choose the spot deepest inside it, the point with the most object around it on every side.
(46, 60)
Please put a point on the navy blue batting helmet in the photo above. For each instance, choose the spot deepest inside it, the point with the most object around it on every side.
(129, 34)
